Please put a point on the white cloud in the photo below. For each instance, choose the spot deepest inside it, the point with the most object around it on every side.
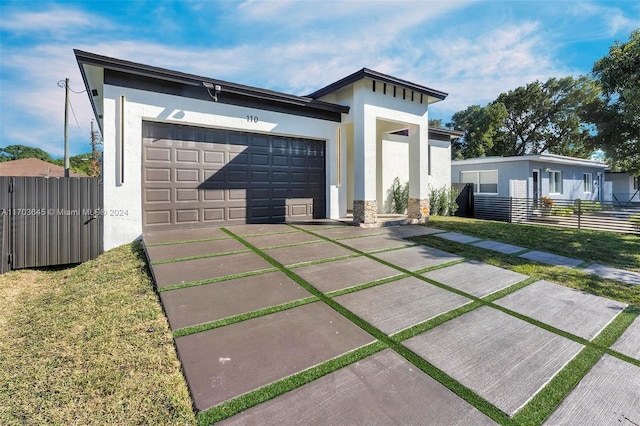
(55, 20)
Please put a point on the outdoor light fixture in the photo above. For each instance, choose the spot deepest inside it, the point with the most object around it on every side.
(216, 89)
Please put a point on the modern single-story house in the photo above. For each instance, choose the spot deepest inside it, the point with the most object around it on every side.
(34, 167)
(534, 176)
(625, 187)
(181, 150)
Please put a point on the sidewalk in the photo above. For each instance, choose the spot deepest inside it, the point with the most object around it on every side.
(622, 275)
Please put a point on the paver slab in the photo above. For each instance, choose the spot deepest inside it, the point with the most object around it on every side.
(417, 257)
(603, 271)
(608, 395)
(401, 304)
(345, 273)
(173, 235)
(167, 274)
(551, 259)
(407, 231)
(499, 247)
(310, 252)
(347, 232)
(263, 241)
(225, 362)
(375, 243)
(176, 251)
(458, 238)
(571, 310)
(200, 304)
(503, 359)
(383, 389)
(259, 229)
(629, 342)
(476, 278)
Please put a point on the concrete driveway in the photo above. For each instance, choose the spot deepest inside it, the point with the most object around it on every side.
(334, 324)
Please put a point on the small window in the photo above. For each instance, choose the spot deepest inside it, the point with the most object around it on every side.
(587, 182)
(484, 181)
(555, 182)
(636, 183)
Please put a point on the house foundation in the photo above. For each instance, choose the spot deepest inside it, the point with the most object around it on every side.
(365, 211)
(418, 210)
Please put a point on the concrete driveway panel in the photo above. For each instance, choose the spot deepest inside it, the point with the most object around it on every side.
(174, 235)
(259, 229)
(375, 243)
(417, 257)
(263, 241)
(628, 277)
(226, 362)
(551, 259)
(401, 304)
(410, 231)
(629, 342)
(608, 395)
(383, 389)
(459, 238)
(347, 232)
(345, 273)
(204, 303)
(176, 251)
(307, 253)
(501, 358)
(476, 278)
(167, 274)
(571, 310)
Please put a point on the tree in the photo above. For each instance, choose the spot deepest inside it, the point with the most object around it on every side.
(435, 122)
(618, 120)
(539, 117)
(18, 152)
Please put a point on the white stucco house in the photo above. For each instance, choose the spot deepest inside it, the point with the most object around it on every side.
(182, 150)
(625, 187)
(534, 176)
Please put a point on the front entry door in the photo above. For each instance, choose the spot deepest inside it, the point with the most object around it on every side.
(536, 185)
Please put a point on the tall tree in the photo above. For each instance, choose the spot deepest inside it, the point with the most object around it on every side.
(480, 126)
(618, 121)
(18, 152)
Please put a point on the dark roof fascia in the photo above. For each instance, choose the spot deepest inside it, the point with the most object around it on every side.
(446, 132)
(88, 89)
(194, 80)
(378, 76)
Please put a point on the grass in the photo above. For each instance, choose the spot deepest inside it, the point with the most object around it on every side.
(610, 248)
(88, 345)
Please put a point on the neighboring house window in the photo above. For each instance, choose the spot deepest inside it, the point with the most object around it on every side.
(484, 181)
(636, 183)
(555, 182)
(587, 182)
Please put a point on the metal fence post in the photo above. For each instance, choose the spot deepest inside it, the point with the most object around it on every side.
(579, 211)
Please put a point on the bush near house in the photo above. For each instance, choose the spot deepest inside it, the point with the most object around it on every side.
(399, 196)
(442, 201)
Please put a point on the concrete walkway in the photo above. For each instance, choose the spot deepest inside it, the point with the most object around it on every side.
(332, 324)
(622, 275)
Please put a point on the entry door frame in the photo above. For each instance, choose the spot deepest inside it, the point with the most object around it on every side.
(537, 185)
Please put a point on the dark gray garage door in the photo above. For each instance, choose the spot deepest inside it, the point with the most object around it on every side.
(194, 176)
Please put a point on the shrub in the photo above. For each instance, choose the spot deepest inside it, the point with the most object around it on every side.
(546, 202)
(442, 202)
(400, 196)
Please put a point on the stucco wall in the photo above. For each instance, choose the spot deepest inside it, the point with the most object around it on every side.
(142, 105)
(395, 163)
(440, 164)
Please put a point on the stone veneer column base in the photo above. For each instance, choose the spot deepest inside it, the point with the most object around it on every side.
(365, 211)
(418, 210)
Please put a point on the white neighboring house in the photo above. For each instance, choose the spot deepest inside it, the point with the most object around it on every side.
(183, 151)
(625, 187)
(534, 176)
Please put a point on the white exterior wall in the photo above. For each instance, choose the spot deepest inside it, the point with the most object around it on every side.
(440, 164)
(142, 105)
(395, 163)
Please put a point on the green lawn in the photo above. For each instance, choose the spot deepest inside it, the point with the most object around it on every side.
(88, 345)
(610, 248)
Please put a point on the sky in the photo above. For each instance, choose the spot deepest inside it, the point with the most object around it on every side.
(473, 50)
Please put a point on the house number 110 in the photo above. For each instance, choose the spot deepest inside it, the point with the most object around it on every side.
(252, 118)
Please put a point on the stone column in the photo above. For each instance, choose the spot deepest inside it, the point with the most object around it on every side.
(365, 211)
(418, 210)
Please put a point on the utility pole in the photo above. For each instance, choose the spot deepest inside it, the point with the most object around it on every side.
(66, 127)
(95, 163)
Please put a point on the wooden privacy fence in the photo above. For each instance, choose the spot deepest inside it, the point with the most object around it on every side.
(49, 221)
(595, 215)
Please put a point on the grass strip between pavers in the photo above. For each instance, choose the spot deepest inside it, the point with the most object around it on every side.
(319, 261)
(215, 280)
(199, 240)
(272, 390)
(550, 397)
(359, 287)
(197, 256)
(465, 393)
(242, 317)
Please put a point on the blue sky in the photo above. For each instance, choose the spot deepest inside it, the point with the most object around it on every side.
(473, 50)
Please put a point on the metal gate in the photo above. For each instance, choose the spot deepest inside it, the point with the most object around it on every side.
(49, 221)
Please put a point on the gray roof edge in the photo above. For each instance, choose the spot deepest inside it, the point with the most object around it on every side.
(447, 132)
(375, 75)
(89, 58)
(549, 158)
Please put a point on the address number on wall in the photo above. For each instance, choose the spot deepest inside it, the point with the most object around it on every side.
(252, 119)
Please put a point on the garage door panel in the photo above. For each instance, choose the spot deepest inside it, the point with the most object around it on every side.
(194, 177)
